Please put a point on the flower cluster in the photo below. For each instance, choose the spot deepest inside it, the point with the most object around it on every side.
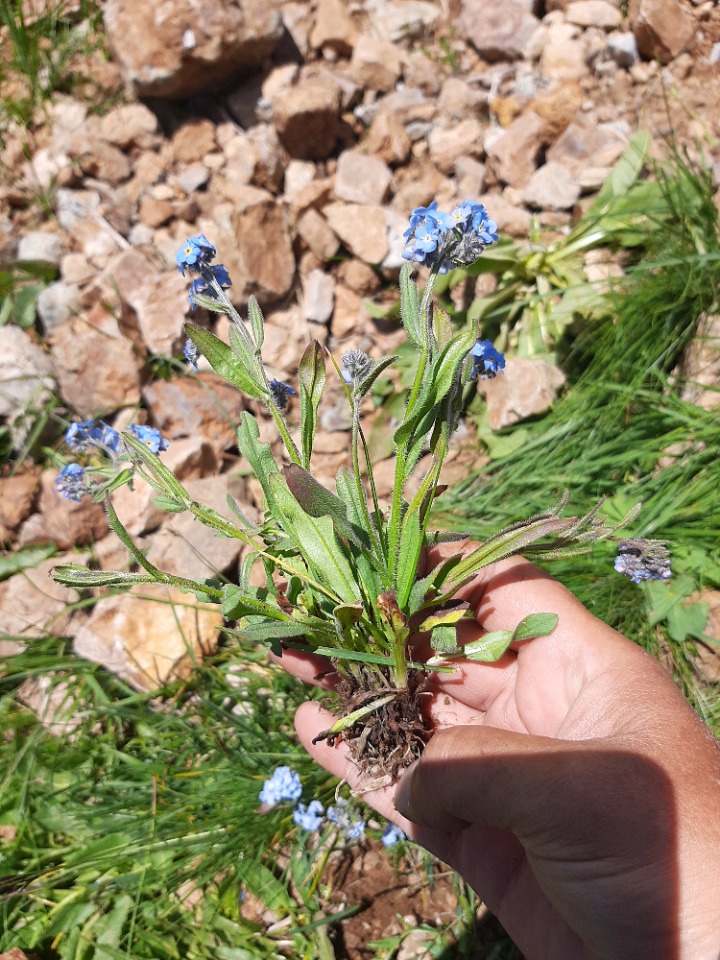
(196, 256)
(284, 784)
(347, 822)
(642, 559)
(487, 362)
(281, 392)
(442, 241)
(85, 435)
(356, 364)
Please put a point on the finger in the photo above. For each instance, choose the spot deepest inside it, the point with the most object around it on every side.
(308, 667)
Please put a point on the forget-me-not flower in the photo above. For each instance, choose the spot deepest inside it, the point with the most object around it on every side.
(309, 817)
(191, 353)
(71, 483)
(446, 240)
(93, 433)
(348, 822)
(391, 834)
(487, 361)
(150, 436)
(284, 784)
(642, 559)
(195, 252)
(281, 392)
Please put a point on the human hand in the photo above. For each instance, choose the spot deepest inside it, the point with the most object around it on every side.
(569, 783)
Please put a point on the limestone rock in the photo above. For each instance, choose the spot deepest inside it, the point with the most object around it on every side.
(149, 642)
(66, 523)
(557, 105)
(585, 144)
(203, 406)
(318, 296)
(449, 144)
(17, 494)
(287, 334)
(528, 388)
(96, 372)
(593, 13)
(160, 303)
(361, 228)
(514, 153)
(361, 178)
(315, 231)
(700, 368)
(52, 700)
(263, 249)
(32, 604)
(563, 55)
(396, 20)
(551, 187)
(622, 47)
(167, 49)
(27, 376)
(662, 28)
(498, 29)
(56, 304)
(41, 246)
(186, 547)
(387, 140)
(130, 125)
(306, 118)
(334, 28)
(193, 140)
(375, 64)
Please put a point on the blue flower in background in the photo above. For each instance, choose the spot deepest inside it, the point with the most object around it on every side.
(150, 436)
(71, 483)
(391, 834)
(88, 433)
(487, 361)
(349, 823)
(280, 393)
(284, 784)
(309, 817)
(203, 285)
(442, 241)
(642, 559)
(195, 252)
(191, 353)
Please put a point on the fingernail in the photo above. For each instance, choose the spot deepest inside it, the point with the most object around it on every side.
(403, 791)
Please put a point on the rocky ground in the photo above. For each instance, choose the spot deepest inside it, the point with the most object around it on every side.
(298, 136)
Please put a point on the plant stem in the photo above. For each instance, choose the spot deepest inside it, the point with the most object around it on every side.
(362, 499)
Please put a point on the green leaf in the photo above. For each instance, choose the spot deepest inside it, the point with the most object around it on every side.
(410, 546)
(443, 638)
(259, 455)
(224, 361)
(315, 539)
(489, 648)
(535, 625)
(410, 305)
(270, 630)
(311, 380)
(111, 928)
(169, 503)
(317, 501)
(366, 383)
(25, 559)
(687, 620)
(236, 603)
(75, 575)
(625, 172)
(257, 322)
(444, 617)
(665, 594)
(161, 477)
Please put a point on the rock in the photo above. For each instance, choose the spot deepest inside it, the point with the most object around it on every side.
(622, 47)
(204, 407)
(96, 372)
(191, 458)
(585, 143)
(361, 228)
(498, 29)
(193, 140)
(33, 605)
(263, 250)
(66, 523)
(593, 13)
(358, 276)
(375, 64)
(186, 547)
(449, 144)
(100, 160)
(528, 388)
(315, 231)
(298, 175)
(287, 334)
(318, 296)
(193, 177)
(662, 28)
(396, 20)
(387, 140)
(470, 177)
(41, 246)
(130, 125)
(514, 153)
(17, 494)
(135, 508)
(334, 28)
(168, 50)
(56, 304)
(558, 105)
(509, 217)
(74, 269)
(28, 376)
(563, 55)
(306, 118)
(154, 213)
(149, 642)
(551, 187)
(54, 703)
(160, 304)
(347, 316)
(708, 654)
(361, 178)
(700, 368)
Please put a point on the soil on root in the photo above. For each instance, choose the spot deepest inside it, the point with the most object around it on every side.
(386, 741)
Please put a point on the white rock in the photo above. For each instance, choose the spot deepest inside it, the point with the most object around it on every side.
(318, 296)
(622, 47)
(27, 377)
(551, 187)
(56, 304)
(40, 245)
(361, 178)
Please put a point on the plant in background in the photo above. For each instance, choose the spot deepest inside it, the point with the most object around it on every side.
(344, 578)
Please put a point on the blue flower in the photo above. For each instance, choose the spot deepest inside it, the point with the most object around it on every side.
(309, 817)
(71, 483)
(442, 241)
(284, 784)
(195, 252)
(487, 361)
(280, 393)
(349, 823)
(86, 433)
(641, 559)
(150, 436)
(192, 354)
(391, 834)
(203, 285)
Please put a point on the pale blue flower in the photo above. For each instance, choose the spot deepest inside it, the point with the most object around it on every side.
(309, 817)
(150, 436)
(391, 835)
(347, 821)
(71, 483)
(88, 433)
(284, 784)
(191, 353)
(195, 252)
(442, 241)
(487, 361)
